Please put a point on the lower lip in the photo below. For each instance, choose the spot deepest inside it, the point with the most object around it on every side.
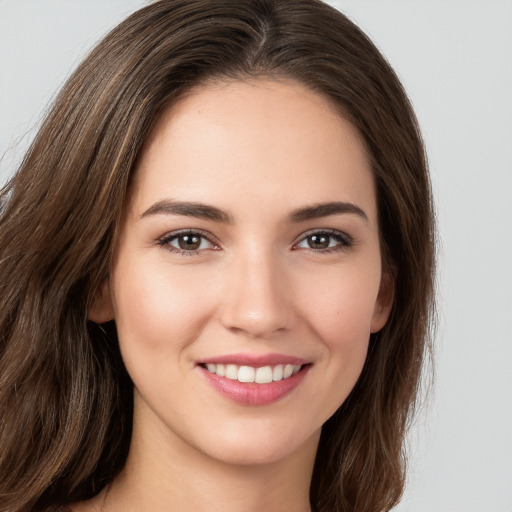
(250, 393)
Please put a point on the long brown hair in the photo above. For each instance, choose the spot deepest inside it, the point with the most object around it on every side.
(65, 397)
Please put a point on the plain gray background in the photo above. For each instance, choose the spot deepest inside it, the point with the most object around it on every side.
(455, 60)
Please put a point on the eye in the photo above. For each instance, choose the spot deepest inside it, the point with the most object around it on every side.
(186, 242)
(325, 241)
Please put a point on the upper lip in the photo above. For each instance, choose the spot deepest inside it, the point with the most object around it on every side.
(256, 361)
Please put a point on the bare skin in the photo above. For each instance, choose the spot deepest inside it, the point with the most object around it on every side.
(270, 272)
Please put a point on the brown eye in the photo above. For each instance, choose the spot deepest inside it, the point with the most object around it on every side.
(324, 241)
(189, 242)
(318, 241)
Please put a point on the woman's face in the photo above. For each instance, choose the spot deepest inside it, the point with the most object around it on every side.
(249, 250)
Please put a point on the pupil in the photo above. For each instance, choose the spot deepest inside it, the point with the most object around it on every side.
(189, 242)
(319, 241)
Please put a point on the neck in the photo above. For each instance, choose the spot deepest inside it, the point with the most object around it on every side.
(165, 473)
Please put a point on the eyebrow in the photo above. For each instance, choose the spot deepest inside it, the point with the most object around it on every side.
(325, 209)
(189, 209)
(205, 211)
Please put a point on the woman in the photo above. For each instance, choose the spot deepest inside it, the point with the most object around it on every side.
(217, 262)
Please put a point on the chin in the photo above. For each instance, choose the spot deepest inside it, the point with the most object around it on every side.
(259, 450)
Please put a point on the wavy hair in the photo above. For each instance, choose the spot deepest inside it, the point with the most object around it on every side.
(65, 397)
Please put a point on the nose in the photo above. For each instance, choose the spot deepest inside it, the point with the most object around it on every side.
(257, 298)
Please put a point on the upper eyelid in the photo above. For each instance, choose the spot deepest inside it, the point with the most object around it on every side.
(327, 231)
(215, 241)
(189, 231)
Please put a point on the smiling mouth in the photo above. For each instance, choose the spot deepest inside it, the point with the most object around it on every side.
(261, 384)
(258, 375)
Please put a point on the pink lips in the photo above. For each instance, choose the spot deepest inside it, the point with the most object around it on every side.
(251, 393)
(254, 360)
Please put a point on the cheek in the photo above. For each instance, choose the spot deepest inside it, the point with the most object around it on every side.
(158, 307)
(342, 305)
(342, 323)
(340, 314)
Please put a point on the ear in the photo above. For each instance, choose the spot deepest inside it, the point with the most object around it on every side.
(384, 302)
(101, 309)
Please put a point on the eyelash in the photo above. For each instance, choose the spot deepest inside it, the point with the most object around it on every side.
(343, 240)
(166, 240)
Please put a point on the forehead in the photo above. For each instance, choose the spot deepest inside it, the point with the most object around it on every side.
(275, 140)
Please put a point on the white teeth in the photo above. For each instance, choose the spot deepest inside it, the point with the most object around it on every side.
(288, 371)
(263, 375)
(231, 371)
(277, 373)
(260, 375)
(246, 374)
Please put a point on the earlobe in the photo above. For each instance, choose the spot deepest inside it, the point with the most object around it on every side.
(101, 309)
(384, 302)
